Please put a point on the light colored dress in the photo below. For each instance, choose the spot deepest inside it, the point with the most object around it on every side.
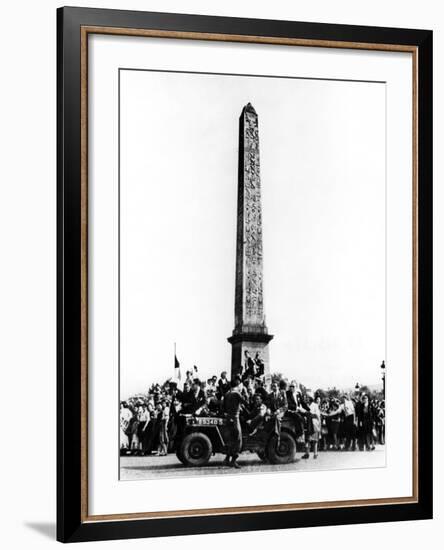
(125, 417)
(316, 422)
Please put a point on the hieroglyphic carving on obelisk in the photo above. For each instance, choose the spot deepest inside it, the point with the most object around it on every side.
(250, 331)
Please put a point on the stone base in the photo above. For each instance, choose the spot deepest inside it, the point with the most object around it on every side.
(253, 343)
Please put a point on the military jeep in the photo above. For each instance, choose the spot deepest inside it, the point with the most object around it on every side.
(200, 437)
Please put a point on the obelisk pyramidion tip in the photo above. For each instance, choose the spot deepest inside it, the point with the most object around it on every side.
(249, 107)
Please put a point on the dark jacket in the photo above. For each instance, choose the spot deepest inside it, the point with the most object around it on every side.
(192, 401)
(275, 402)
(365, 418)
(233, 402)
(293, 400)
(223, 386)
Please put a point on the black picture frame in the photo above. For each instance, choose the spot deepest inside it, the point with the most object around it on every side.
(71, 524)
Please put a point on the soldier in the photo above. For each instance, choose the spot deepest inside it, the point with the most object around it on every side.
(233, 402)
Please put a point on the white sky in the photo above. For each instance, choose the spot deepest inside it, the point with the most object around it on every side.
(322, 146)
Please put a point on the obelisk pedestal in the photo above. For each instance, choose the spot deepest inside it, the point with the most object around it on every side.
(250, 331)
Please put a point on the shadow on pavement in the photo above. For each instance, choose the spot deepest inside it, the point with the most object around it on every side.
(213, 464)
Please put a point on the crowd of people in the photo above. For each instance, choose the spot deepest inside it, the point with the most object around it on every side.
(347, 422)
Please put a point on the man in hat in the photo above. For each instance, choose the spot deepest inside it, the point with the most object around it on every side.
(232, 404)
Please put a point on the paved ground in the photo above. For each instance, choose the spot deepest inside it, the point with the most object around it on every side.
(145, 467)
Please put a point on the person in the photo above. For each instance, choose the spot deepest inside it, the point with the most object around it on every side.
(272, 397)
(277, 404)
(144, 420)
(248, 365)
(214, 382)
(256, 414)
(251, 392)
(148, 429)
(186, 390)
(213, 403)
(295, 408)
(277, 399)
(293, 397)
(187, 399)
(197, 398)
(232, 404)
(348, 409)
(223, 385)
(125, 417)
(175, 399)
(260, 366)
(133, 432)
(380, 422)
(334, 419)
(323, 444)
(314, 426)
(174, 391)
(157, 424)
(260, 389)
(365, 415)
(163, 433)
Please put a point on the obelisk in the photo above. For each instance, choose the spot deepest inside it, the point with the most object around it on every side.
(250, 332)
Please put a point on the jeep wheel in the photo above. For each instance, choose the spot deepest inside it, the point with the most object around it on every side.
(281, 450)
(196, 449)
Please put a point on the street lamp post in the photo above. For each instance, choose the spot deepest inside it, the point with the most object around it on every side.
(383, 379)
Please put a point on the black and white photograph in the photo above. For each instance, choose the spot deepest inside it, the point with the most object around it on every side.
(252, 274)
(220, 259)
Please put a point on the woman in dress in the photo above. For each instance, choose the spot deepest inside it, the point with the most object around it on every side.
(313, 426)
(125, 417)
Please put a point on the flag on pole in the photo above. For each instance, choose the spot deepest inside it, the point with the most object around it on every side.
(176, 368)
